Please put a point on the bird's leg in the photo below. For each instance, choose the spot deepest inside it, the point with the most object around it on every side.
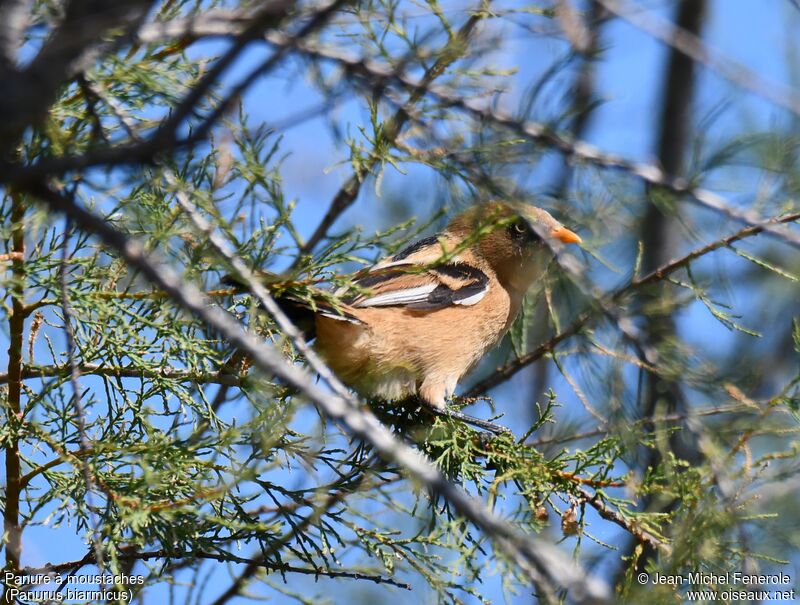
(448, 412)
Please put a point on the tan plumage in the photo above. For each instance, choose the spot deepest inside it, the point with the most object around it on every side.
(429, 313)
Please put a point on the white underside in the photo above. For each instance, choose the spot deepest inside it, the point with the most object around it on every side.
(394, 384)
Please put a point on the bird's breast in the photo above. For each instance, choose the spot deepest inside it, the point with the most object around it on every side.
(395, 349)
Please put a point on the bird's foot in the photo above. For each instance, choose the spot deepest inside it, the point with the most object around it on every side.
(462, 401)
(496, 429)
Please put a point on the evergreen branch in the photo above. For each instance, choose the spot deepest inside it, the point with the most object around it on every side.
(502, 374)
(632, 527)
(222, 557)
(261, 560)
(268, 16)
(207, 230)
(379, 74)
(113, 295)
(85, 27)
(183, 483)
(77, 404)
(544, 564)
(60, 371)
(242, 271)
(165, 138)
(201, 131)
(454, 49)
(29, 476)
(596, 483)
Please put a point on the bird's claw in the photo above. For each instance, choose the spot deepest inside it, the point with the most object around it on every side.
(491, 427)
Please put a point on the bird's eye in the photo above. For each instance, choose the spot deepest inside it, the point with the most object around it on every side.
(522, 233)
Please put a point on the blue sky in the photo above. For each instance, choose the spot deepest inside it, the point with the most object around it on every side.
(760, 35)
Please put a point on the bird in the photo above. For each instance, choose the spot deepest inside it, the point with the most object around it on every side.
(419, 320)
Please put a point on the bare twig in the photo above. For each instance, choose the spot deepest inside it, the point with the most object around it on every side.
(693, 47)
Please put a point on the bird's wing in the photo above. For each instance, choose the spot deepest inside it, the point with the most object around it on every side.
(411, 278)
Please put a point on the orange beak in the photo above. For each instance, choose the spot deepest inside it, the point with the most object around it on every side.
(565, 236)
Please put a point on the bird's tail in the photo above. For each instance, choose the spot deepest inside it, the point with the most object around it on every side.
(301, 311)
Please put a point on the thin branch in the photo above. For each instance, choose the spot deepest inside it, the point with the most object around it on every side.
(634, 528)
(77, 404)
(68, 566)
(347, 194)
(29, 476)
(168, 372)
(378, 73)
(86, 26)
(262, 559)
(604, 428)
(316, 22)
(12, 534)
(502, 374)
(693, 47)
(214, 23)
(270, 15)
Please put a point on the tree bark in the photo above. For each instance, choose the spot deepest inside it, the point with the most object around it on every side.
(658, 232)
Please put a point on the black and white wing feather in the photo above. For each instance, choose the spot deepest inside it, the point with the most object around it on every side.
(413, 279)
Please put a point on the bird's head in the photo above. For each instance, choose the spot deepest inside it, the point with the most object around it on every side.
(516, 239)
